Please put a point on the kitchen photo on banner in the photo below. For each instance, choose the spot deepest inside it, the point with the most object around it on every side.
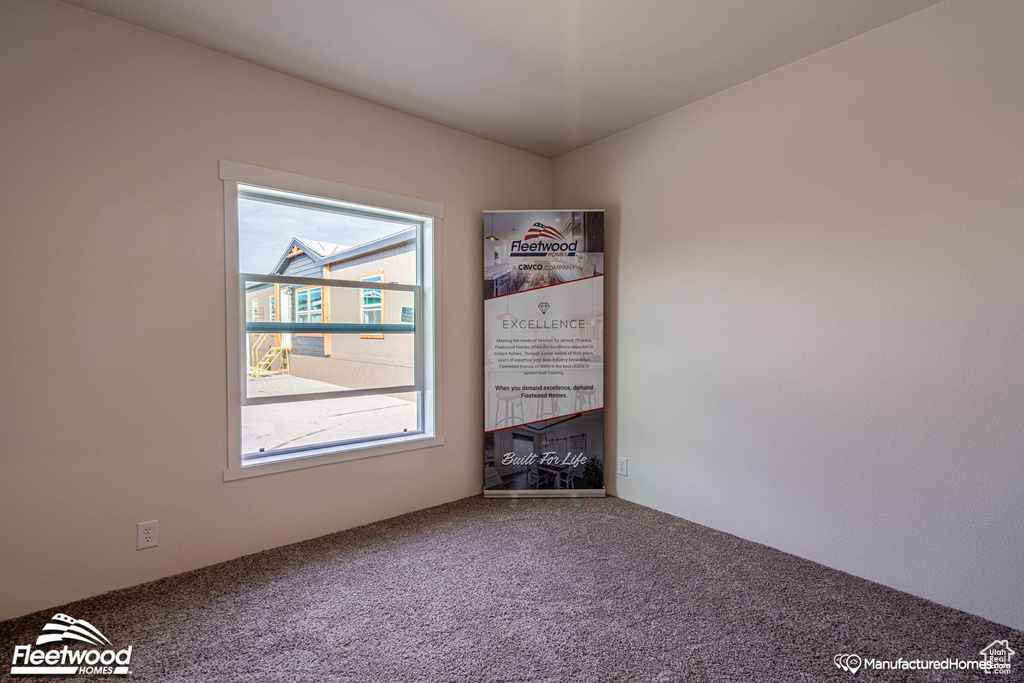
(543, 353)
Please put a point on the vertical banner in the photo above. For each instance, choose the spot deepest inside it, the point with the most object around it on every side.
(543, 353)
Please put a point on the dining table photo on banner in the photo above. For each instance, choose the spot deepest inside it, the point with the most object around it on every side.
(543, 353)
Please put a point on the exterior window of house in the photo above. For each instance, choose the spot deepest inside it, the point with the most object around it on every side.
(309, 305)
(305, 385)
(371, 305)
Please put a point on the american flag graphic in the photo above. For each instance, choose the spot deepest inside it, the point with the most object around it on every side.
(62, 627)
(540, 230)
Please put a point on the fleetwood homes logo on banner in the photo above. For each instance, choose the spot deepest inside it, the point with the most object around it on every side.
(544, 353)
(556, 243)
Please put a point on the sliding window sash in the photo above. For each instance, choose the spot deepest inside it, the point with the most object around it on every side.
(333, 328)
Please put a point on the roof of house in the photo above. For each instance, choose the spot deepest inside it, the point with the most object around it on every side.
(325, 253)
(321, 249)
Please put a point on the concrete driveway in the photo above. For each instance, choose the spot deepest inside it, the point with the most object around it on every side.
(306, 423)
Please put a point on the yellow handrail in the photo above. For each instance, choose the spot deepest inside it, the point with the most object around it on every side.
(254, 355)
(262, 366)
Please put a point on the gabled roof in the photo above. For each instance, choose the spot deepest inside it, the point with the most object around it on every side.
(320, 249)
(324, 253)
(314, 249)
(391, 240)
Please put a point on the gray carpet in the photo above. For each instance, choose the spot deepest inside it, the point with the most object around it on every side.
(546, 591)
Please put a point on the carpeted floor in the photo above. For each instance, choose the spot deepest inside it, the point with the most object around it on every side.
(547, 590)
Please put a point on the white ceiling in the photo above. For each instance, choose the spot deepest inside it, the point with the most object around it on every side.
(546, 76)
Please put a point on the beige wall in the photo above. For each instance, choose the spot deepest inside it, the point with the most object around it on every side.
(838, 374)
(111, 137)
(363, 361)
(353, 374)
(815, 288)
(262, 297)
(395, 350)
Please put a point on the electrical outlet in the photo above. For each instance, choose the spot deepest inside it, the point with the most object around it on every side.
(149, 534)
(623, 468)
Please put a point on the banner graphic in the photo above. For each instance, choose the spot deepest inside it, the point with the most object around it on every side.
(543, 353)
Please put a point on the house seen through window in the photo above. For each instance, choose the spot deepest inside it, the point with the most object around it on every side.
(331, 351)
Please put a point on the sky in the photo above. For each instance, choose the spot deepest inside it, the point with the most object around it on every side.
(265, 229)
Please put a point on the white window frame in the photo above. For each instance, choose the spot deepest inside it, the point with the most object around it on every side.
(428, 216)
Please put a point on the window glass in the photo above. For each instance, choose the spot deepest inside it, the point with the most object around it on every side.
(316, 371)
(372, 306)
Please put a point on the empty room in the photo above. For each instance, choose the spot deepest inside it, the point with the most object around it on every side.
(512, 340)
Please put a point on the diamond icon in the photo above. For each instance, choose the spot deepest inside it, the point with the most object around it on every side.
(544, 306)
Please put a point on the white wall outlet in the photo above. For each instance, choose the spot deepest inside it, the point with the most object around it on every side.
(623, 468)
(149, 534)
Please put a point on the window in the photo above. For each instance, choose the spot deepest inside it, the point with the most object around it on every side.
(309, 305)
(371, 305)
(306, 383)
(522, 445)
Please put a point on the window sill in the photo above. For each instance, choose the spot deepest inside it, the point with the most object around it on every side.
(273, 464)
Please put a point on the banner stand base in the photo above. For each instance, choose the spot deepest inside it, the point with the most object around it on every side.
(545, 493)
